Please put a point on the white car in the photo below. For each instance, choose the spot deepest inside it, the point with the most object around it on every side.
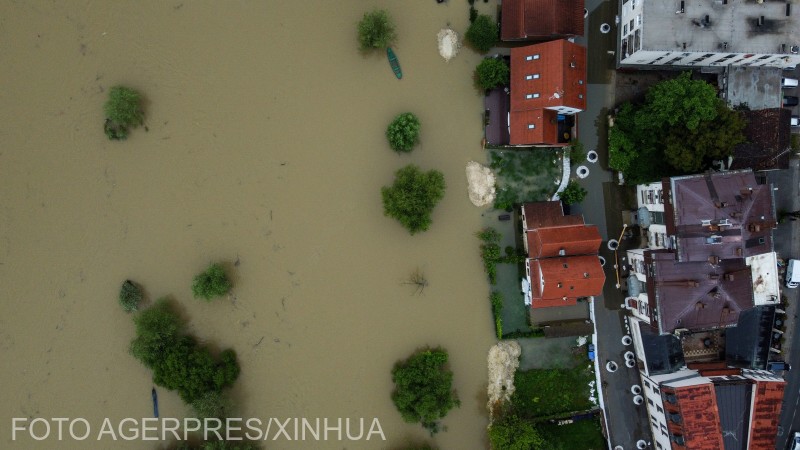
(796, 442)
(789, 82)
(795, 121)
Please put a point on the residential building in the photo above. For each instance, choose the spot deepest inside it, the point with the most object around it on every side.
(704, 405)
(541, 19)
(548, 87)
(767, 143)
(707, 34)
(562, 263)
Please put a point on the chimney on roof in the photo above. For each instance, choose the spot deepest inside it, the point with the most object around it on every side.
(698, 306)
(713, 276)
(745, 191)
(713, 260)
(729, 277)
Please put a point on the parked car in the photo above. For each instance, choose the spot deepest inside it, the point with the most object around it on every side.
(789, 82)
(796, 442)
(777, 366)
(792, 273)
(591, 352)
(789, 100)
(795, 122)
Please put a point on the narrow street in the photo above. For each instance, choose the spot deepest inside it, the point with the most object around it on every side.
(626, 423)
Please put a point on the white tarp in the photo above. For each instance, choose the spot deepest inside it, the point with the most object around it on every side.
(449, 43)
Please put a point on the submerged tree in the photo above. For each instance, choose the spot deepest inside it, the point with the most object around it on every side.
(512, 433)
(376, 30)
(424, 388)
(418, 280)
(130, 294)
(413, 196)
(123, 111)
(403, 132)
(492, 72)
(211, 283)
(482, 33)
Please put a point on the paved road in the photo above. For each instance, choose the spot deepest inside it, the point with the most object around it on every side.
(626, 422)
(787, 244)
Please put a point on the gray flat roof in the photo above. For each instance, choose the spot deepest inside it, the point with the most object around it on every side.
(735, 23)
(758, 87)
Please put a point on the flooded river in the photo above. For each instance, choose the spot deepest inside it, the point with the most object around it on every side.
(265, 146)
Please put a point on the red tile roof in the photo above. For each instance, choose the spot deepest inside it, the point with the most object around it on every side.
(700, 425)
(572, 239)
(540, 87)
(537, 19)
(566, 277)
(766, 412)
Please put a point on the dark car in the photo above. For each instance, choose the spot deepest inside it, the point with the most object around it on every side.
(777, 366)
(591, 352)
(789, 100)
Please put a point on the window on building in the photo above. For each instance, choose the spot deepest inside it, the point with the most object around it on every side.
(534, 76)
(532, 57)
(530, 96)
(531, 126)
(625, 29)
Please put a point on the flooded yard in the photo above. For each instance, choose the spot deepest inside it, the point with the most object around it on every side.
(264, 146)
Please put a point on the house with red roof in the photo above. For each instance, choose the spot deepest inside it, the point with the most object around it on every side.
(541, 19)
(548, 86)
(562, 263)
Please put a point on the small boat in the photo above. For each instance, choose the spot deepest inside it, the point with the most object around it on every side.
(155, 402)
(394, 63)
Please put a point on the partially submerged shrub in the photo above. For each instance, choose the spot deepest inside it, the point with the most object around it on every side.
(412, 197)
(491, 73)
(123, 111)
(376, 30)
(130, 294)
(211, 283)
(482, 33)
(403, 132)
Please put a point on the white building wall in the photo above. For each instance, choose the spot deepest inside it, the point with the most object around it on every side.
(650, 196)
(655, 413)
(636, 263)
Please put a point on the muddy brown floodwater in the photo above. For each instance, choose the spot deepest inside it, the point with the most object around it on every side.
(265, 145)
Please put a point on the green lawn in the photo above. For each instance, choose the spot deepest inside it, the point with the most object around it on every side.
(546, 392)
(581, 435)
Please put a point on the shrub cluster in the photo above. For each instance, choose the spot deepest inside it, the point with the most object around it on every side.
(491, 73)
(130, 294)
(482, 33)
(424, 388)
(496, 299)
(123, 111)
(490, 252)
(413, 196)
(211, 283)
(573, 193)
(178, 362)
(376, 30)
(403, 132)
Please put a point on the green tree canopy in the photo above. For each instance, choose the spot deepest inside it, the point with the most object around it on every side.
(424, 388)
(679, 101)
(376, 30)
(403, 132)
(573, 193)
(482, 33)
(211, 283)
(178, 362)
(492, 72)
(413, 196)
(123, 110)
(509, 432)
(680, 128)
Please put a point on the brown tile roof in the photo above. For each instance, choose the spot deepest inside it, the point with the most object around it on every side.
(547, 214)
(561, 83)
(537, 19)
(700, 425)
(566, 277)
(572, 239)
(768, 146)
(766, 412)
(724, 215)
(696, 295)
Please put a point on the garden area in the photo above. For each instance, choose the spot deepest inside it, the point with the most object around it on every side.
(550, 409)
(525, 175)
